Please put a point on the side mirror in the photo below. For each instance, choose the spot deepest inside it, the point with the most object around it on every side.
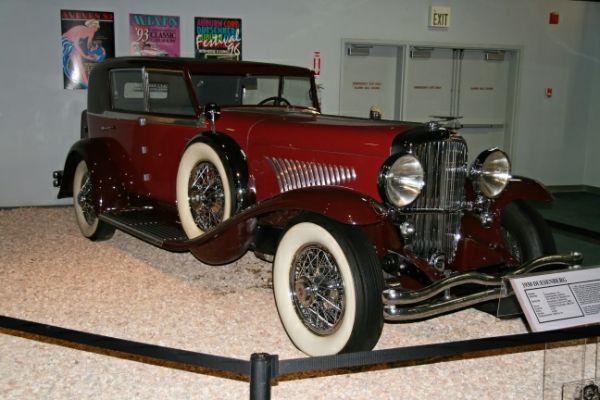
(212, 112)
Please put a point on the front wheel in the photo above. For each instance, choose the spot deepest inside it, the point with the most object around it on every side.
(83, 203)
(526, 234)
(327, 284)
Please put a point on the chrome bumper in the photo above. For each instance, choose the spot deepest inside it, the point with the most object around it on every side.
(406, 305)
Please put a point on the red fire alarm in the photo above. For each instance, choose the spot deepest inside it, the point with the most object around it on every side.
(549, 92)
(554, 18)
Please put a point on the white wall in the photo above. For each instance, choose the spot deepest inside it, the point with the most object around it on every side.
(591, 80)
(39, 120)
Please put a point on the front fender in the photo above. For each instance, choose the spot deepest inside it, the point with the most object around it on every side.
(232, 238)
(339, 204)
(521, 188)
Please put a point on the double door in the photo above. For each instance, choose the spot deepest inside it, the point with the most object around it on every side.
(424, 83)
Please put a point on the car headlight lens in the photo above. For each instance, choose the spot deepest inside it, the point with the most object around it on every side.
(490, 173)
(402, 180)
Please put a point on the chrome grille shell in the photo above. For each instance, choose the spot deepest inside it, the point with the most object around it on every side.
(436, 214)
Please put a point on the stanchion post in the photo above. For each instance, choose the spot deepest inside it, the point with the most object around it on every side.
(261, 372)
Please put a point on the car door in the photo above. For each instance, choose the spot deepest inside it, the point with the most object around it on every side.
(120, 126)
(170, 122)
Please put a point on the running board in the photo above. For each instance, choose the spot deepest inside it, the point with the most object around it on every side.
(146, 225)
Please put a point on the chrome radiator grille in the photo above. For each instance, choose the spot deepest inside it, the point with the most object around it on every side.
(437, 211)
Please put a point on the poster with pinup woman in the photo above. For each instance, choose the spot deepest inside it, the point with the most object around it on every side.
(88, 37)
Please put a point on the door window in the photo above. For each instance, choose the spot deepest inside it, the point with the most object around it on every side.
(168, 94)
(127, 90)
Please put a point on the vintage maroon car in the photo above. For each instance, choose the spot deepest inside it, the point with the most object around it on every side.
(364, 220)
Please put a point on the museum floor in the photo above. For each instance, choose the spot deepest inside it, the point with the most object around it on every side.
(128, 289)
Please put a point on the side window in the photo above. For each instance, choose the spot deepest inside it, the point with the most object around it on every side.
(220, 89)
(169, 94)
(266, 86)
(297, 91)
(127, 90)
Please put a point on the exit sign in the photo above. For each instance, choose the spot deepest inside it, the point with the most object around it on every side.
(439, 17)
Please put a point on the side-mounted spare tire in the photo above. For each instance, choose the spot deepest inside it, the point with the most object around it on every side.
(205, 195)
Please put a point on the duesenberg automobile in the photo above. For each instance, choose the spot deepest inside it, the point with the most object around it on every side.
(365, 221)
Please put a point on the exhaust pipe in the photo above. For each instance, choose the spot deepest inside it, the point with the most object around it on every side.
(404, 305)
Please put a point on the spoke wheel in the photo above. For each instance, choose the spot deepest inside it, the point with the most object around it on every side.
(327, 283)
(204, 190)
(206, 196)
(317, 288)
(84, 203)
(526, 234)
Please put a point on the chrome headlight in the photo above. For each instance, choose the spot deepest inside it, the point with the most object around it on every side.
(490, 172)
(401, 180)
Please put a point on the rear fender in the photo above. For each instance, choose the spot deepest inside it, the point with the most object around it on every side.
(109, 191)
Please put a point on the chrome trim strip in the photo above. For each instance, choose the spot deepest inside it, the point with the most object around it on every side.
(153, 119)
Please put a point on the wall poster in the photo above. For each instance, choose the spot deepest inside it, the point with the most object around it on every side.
(154, 35)
(218, 38)
(88, 37)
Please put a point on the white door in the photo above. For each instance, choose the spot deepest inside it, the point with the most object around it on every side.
(429, 80)
(482, 101)
(369, 78)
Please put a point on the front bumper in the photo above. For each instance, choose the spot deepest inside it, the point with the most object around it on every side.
(407, 305)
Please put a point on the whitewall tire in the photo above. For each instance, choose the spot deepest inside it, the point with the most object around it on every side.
(83, 203)
(327, 286)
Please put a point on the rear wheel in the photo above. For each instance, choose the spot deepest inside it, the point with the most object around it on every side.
(84, 202)
(327, 284)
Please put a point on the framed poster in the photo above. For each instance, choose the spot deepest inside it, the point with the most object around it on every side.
(88, 37)
(219, 38)
(154, 35)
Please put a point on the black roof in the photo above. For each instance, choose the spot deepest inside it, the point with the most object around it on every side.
(198, 65)
(98, 92)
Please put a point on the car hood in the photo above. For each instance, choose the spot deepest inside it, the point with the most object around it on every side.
(302, 130)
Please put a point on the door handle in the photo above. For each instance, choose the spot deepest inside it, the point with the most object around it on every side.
(142, 121)
(107, 128)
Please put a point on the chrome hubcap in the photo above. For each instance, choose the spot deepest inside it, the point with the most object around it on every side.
(317, 290)
(512, 244)
(206, 195)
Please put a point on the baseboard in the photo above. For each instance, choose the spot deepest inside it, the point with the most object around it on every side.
(573, 188)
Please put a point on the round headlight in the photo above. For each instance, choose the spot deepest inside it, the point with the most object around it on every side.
(402, 180)
(490, 172)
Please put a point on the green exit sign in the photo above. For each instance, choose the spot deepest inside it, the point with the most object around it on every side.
(439, 17)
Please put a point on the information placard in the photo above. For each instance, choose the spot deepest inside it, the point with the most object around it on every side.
(561, 299)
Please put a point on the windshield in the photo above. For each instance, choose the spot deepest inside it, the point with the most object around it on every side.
(229, 90)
